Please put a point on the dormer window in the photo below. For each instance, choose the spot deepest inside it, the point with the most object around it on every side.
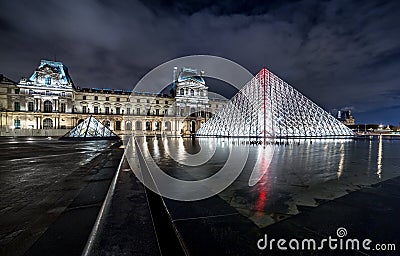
(47, 80)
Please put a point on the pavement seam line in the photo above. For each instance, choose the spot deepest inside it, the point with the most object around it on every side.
(104, 208)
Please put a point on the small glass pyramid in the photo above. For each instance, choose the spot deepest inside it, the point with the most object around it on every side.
(90, 128)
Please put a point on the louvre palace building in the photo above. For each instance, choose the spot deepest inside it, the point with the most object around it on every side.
(48, 103)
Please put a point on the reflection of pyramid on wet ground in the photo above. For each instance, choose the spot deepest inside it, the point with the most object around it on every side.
(268, 106)
(90, 128)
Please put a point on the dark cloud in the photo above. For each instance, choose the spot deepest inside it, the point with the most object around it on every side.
(338, 53)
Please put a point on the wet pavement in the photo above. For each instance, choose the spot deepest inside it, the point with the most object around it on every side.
(40, 179)
(308, 191)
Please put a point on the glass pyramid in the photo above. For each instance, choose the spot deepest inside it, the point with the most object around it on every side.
(90, 128)
(267, 106)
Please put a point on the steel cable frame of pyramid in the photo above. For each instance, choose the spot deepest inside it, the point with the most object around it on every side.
(90, 129)
(269, 107)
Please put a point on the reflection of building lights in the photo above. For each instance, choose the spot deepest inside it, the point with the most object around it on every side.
(261, 201)
(341, 162)
(379, 162)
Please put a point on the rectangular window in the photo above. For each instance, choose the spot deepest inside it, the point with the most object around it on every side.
(117, 110)
(138, 111)
(63, 109)
(157, 102)
(148, 101)
(96, 109)
(30, 91)
(182, 112)
(127, 99)
(157, 112)
(166, 102)
(84, 97)
(166, 112)
(96, 98)
(84, 109)
(17, 91)
(128, 111)
(63, 94)
(47, 92)
(107, 110)
(118, 99)
(107, 98)
(30, 106)
(138, 100)
(17, 123)
(17, 106)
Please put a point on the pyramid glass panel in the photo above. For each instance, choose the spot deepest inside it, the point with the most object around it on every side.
(91, 128)
(267, 106)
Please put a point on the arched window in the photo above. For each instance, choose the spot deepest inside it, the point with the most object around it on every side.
(47, 80)
(191, 92)
(47, 123)
(107, 123)
(48, 106)
(168, 126)
(128, 126)
(182, 91)
(138, 126)
(80, 121)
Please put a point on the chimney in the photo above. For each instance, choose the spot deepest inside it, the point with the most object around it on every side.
(175, 74)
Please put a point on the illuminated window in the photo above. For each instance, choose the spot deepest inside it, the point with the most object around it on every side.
(17, 123)
(47, 80)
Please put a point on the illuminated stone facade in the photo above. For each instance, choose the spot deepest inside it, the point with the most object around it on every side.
(48, 103)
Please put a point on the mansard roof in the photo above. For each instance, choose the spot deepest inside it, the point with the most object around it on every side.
(188, 74)
(50, 74)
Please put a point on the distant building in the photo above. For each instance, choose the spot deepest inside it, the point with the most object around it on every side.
(345, 117)
(49, 100)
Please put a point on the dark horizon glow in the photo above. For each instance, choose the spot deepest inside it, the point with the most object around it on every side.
(340, 54)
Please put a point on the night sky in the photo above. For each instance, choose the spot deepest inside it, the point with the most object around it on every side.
(341, 54)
